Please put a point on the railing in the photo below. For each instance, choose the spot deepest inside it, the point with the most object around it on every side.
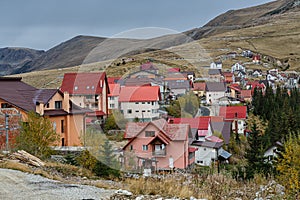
(159, 153)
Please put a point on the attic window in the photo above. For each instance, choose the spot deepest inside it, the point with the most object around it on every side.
(93, 87)
(87, 87)
(76, 88)
(149, 133)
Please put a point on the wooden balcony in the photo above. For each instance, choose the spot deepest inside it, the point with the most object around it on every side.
(159, 153)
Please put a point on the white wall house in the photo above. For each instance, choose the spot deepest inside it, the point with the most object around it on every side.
(214, 91)
(140, 102)
(216, 65)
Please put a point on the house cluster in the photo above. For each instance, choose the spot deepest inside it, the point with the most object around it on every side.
(154, 142)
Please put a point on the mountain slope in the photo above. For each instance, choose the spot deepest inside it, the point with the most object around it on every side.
(12, 59)
(87, 49)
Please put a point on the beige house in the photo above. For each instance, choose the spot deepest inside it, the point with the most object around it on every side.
(88, 90)
(67, 118)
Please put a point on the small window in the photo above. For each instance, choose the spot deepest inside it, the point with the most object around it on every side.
(112, 105)
(204, 149)
(143, 102)
(62, 126)
(136, 102)
(54, 126)
(129, 111)
(145, 147)
(112, 98)
(87, 87)
(58, 104)
(4, 105)
(131, 148)
(93, 87)
(47, 105)
(149, 102)
(137, 111)
(76, 88)
(149, 110)
(149, 133)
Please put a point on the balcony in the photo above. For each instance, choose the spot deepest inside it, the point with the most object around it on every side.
(159, 153)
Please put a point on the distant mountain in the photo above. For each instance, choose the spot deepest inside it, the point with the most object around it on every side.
(12, 59)
(87, 49)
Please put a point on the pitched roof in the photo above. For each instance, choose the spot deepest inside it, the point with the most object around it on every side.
(174, 69)
(145, 81)
(200, 123)
(178, 84)
(214, 71)
(224, 128)
(200, 86)
(175, 76)
(148, 66)
(215, 87)
(175, 132)
(83, 83)
(215, 145)
(114, 89)
(22, 95)
(246, 93)
(139, 94)
(112, 80)
(233, 112)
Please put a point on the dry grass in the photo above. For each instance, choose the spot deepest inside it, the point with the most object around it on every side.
(215, 186)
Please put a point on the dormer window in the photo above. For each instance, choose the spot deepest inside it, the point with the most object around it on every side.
(76, 88)
(149, 133)
(93, 87)
(87, 87)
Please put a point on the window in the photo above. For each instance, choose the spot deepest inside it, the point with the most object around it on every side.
(145, 147)
(129, 111)
(149, 102)
(62, 126)
(4, 105)
(87, 87)
(149, 110)
(149, 133)
(62, 141)
(204, 149)
(137, 111)
(112, 105)
(131, 148)
(54, 126)
(76, 88)
(143, 102)
(112, 98)
(136, 102)
(58, 104)
(47, 105)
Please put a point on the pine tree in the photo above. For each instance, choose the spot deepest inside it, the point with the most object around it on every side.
(255, 154)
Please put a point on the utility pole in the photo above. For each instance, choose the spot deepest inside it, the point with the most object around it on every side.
(6, 130)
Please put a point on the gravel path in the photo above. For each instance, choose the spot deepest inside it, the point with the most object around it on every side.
(18, 185)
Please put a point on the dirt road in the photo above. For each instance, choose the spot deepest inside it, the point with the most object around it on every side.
(18, 185)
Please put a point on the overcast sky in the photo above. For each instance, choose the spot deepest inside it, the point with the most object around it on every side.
(42, 24)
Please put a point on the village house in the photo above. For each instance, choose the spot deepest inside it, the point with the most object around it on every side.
(214, 91)
(216, 65)
(158, 145)
(67, 118)
(190, 75)
(237, 115)
(237, 67)
(88, 90)
(148, 66)
(140, 102)
(199, 88)
(113, 97)
(228, 77)
(178, 87)
(214, 74)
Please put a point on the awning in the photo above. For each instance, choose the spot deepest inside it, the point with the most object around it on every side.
(224, 154)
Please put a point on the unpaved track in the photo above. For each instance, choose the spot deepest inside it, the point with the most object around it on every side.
(18, 185)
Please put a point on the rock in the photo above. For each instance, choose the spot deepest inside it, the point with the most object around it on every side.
(123, 192)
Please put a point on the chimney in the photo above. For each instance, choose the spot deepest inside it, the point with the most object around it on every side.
(66, 102)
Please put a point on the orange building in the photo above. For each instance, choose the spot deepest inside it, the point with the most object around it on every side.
(67, 118)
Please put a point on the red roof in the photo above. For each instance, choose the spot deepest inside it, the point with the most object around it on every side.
(139, 94)
(192, 149)
(147, 66)
(256, 84)
(96, 113)
(233, 112)
(83, 83)
(235, 87)
(174, 69)
(112, 80)
(213, 138)
(114, 89)
(246, 93)
(200, 123)
(200, 86)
